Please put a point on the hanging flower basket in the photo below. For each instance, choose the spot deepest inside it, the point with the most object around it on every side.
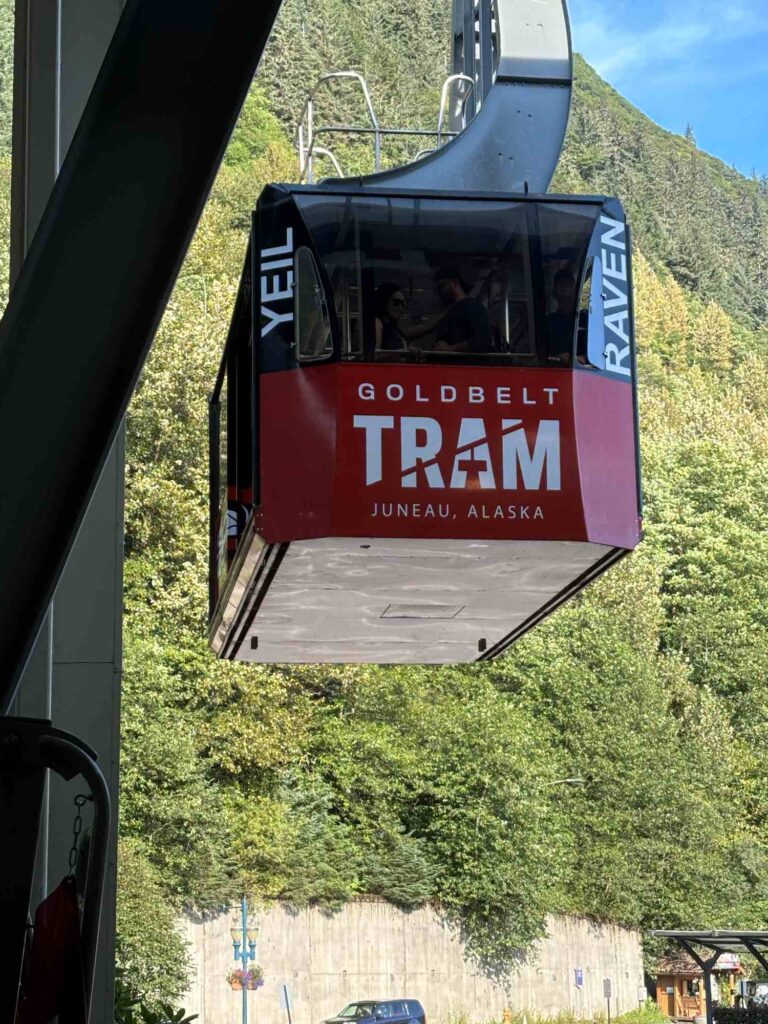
(254, 977)
(251, 979)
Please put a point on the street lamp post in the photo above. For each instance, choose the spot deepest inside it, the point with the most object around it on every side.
(244, 944)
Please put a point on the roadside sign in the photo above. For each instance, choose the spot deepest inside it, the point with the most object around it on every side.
(607, 994)
(286, 1001)
(579, 977)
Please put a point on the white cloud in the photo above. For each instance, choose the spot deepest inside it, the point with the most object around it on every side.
(682, 33)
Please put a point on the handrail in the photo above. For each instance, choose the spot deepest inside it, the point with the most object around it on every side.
(308, 112)
(444, 96)
(322, 151)
(66, 756)
(28, 747)
(306, 143)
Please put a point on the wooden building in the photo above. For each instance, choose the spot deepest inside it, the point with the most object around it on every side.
(680, 984)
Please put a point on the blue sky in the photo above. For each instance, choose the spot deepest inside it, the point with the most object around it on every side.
(701, 62)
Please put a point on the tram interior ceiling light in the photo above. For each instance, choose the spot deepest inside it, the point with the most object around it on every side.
(456, 348)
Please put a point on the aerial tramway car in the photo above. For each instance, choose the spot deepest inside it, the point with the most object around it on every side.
(423, 433)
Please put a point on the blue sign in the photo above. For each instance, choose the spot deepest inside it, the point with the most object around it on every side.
(579, 977)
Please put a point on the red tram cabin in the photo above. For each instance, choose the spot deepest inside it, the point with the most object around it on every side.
(423, 433)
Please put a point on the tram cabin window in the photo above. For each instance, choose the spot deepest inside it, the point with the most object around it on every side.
(313, 326)
(596, 317)
(450, 280)
(564, 236)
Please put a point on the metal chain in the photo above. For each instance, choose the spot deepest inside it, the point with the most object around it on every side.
(77, 828)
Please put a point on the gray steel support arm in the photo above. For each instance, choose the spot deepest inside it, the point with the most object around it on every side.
(97, 276)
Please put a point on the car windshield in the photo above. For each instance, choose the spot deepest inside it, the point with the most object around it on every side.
(357, 1010)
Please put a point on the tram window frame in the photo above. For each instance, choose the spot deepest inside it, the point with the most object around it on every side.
(369, 239)
(312, 275)
(218, 484)
(233, 446)
(596, 318)
(583, 307)
(566, 246)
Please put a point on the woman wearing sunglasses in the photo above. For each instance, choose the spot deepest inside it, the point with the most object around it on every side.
(390, 307)
(392, 335)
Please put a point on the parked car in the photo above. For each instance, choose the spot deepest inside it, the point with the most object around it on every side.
(372, 1011)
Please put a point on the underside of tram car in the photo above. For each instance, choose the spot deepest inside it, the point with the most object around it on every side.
(424, 477)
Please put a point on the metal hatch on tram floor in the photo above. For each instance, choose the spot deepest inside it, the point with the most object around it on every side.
(424, 430)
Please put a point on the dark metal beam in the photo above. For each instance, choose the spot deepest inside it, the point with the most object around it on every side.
(758, 954)
(706, 966)
(97, 276)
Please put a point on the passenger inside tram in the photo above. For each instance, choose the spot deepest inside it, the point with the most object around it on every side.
(392, 333)
(461, 326)
(390, 308)
(571, 312)
(560, 322)
(433, 280)
(466, 325)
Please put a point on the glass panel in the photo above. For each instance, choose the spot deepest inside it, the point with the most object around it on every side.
(585, 298)
(450, 279)
(336, 235)
(596, 329)
(313, 326)
(429, 279)
(564, 236)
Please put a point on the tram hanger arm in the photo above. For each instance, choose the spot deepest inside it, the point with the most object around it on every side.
(90, 294)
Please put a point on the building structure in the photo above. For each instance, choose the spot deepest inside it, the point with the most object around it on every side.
(680, 990)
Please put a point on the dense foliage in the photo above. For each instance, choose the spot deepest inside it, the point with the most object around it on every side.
(741, 1015)
(315, 785)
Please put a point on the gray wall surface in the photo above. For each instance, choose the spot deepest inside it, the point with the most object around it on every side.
(373, 950)
(73, 676)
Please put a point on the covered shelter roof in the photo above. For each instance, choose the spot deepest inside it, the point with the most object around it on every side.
(681, 964)
(719, 942)
(716, 943)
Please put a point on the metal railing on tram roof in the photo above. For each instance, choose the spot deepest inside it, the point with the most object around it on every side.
(306, 137)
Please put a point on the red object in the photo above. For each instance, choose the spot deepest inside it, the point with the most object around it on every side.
(54, 981)
(420, 451)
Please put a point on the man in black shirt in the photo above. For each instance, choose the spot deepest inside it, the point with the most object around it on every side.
(466, 326)
(560, 324)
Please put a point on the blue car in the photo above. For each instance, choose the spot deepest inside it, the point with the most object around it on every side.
(372, 1011)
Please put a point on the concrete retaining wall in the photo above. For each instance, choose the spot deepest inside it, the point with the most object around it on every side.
(371, 950)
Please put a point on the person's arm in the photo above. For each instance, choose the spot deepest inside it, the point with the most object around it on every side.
(459, 346)
(421, 330)
(379, 332)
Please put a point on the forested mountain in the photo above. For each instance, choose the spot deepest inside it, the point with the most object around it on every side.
(434, 784)
(420, 784)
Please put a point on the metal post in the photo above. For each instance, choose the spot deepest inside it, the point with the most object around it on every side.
(706, 966)
(245, 951)
(470, 63)
(245, 958)
(197, 62)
